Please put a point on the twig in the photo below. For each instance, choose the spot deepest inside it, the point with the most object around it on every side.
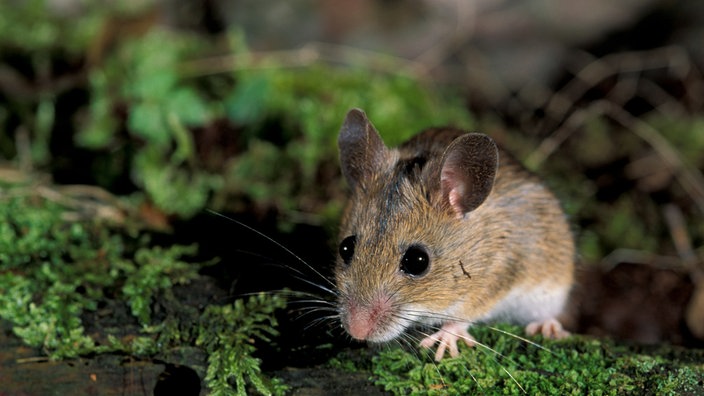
(689, 177)
(420, 67)
(672, 58)
(307, 55)
(462, 32)
(557, 138)
(634, 256)
(24, 149)
(94, 206)
(90, 200)
(34, 359)
(683, 243)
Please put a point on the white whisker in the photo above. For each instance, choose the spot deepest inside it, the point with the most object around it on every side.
(320, 321)
(316, 301)
(270, 239)
(319, 286)
(524, 339)
(313, 311)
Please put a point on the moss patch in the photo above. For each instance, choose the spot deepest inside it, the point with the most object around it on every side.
(63, 271)
(574, 366)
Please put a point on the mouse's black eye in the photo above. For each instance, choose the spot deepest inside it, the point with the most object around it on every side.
(347, 248)
(415, 261)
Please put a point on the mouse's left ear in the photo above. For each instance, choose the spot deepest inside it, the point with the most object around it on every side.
(469, 167)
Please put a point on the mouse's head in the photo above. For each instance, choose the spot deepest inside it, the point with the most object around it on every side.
(399, 255)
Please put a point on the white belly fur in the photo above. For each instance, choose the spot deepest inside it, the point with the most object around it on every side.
(522, 305)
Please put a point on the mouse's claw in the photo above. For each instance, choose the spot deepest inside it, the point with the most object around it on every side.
(549, 328)
(447, 337)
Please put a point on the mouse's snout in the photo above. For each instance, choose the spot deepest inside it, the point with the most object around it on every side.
(368, 321)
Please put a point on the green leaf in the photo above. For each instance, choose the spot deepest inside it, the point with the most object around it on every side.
(147, 121)
(187, 106)
(248, 102)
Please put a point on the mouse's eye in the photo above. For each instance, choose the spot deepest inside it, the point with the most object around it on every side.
(415, 261)
(347, 248)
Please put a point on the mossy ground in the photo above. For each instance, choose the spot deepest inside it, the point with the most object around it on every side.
(577, 365)
(74, 286)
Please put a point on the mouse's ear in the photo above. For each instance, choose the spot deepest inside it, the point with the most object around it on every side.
(362, 152)
(469, 167)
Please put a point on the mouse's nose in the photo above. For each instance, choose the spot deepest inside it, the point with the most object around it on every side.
(364, 321)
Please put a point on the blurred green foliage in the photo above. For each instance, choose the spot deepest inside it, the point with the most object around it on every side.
(143, 74)
(286, 120)
(37, 28)
(152, 98)
(40, 40)
(156, 98)
(151, 104)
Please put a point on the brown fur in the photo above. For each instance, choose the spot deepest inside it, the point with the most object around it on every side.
(518, 237)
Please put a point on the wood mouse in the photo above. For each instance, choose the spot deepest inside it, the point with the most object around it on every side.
(446, 230)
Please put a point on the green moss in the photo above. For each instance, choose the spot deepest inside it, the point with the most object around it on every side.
(55, 270)
(574, 366)
(226, 335)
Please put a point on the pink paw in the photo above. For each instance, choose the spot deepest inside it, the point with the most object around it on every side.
(549, 328)
(447, 337)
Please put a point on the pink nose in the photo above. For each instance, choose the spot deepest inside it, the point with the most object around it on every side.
(358, 324)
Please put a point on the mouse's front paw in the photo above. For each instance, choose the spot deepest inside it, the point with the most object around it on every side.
(447, 337)
(549, 328)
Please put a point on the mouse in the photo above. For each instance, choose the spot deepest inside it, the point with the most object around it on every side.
(443, 232)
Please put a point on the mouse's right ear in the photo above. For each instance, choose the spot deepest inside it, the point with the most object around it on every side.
(362, 152)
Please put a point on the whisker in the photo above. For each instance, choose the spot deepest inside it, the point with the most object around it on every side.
(430, 315)
(268, 260)
(316, 301)
(497, 353)
(320, 321)
(292, 269)
(319, 286)
(428, 357)
(494, 353)
(283, 292)
(315, 310)
(321, 306)
(524, 339)
(518, 384)
(272, 240)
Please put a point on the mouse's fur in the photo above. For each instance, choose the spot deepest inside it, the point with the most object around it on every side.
(498, 242)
